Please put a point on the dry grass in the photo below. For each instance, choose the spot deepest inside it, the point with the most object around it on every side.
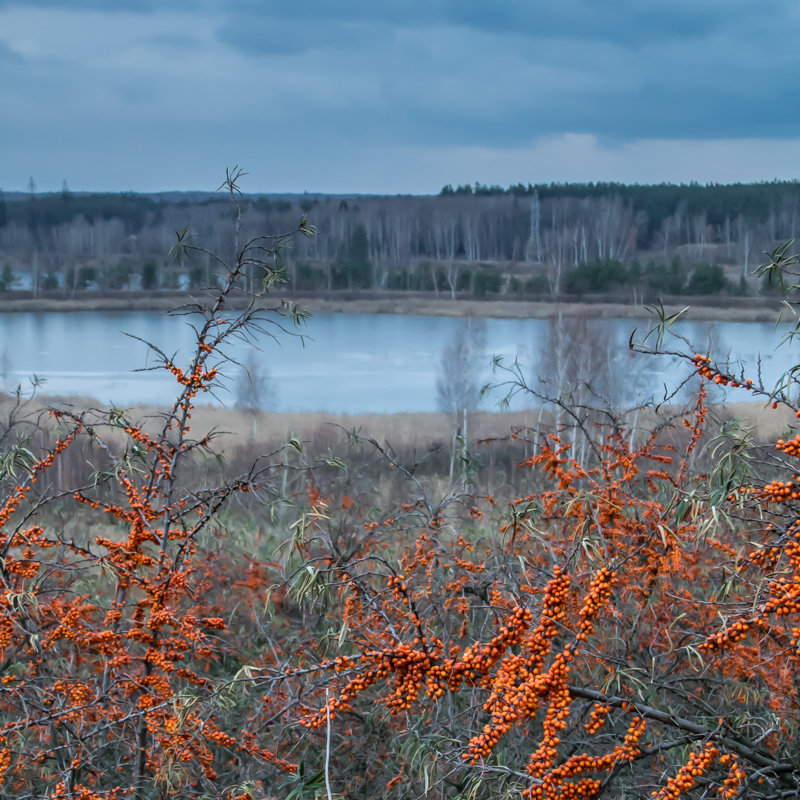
(410, 426)
(765, 423)
(424, 438)
(403, 431)
(760, 310)
(407, 431)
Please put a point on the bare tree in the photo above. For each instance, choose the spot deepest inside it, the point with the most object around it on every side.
(534, 248)
(5, 368)
(254, 389)
(579, 373)
(458, 385)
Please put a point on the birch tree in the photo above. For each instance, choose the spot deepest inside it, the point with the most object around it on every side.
(458, 384)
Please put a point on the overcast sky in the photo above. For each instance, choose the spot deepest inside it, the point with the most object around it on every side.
(388, 96)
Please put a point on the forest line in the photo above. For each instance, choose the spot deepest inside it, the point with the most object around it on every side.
(536, 242)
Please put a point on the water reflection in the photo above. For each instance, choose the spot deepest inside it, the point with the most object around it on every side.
(353, 363)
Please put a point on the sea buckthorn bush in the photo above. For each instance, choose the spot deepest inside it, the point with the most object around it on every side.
(624, 622)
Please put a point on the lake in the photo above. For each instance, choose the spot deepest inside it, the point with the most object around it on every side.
(349, 363)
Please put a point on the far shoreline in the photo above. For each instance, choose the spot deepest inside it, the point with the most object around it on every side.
(727, 309)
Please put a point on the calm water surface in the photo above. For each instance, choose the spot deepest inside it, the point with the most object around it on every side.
(354, 363)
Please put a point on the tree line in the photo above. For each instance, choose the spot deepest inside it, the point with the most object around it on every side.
(542, 240)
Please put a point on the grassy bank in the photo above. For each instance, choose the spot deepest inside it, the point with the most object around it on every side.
(755, 309)
(422, 431)
(410, 433)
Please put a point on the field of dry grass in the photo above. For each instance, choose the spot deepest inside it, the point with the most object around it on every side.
(265, 431)
(408, 432)
(421, 441)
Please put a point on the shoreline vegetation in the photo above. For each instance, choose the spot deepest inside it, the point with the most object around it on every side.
(494, 453)
(602, 250)
(750, 309)
(415, 431)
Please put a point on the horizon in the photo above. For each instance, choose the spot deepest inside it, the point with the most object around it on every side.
(22, 194)
(395, 98)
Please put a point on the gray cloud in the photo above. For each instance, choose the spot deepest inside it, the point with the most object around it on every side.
(174, 42)
(624, 22)
(264, 36)
(324, 83)
(8, 55)
(624, 71)
(139, 6)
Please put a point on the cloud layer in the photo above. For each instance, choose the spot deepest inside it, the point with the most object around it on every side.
(324, 96)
